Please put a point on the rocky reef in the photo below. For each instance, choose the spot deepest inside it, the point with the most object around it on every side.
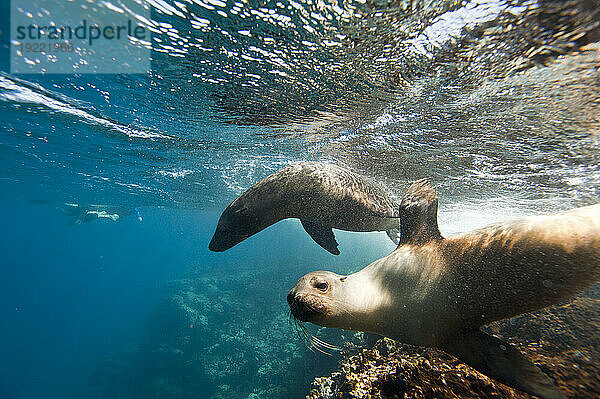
(218, 335)
(562, 340)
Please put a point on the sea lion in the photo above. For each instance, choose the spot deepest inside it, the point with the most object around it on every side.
(323, 196)
(435, 291)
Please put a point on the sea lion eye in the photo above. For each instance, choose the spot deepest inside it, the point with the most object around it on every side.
(322, 286)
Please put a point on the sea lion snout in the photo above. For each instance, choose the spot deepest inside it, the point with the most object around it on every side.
(241, 219)
(291, 297)
(230, 231)
(305, 306)
(309, 297)
(223, 240)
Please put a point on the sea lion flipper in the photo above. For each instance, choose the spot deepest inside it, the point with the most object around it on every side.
(418, 214)
(504, 363)
(394, 235)
(322, 234)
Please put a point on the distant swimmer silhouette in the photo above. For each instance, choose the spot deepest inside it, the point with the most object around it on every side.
(82, 213)
(322, 195)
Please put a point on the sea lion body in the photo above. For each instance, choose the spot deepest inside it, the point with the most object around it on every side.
(323, 196)
(469, 280)
(435, 291)
(521, 266)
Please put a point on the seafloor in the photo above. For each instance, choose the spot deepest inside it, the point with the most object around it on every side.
(208, 338)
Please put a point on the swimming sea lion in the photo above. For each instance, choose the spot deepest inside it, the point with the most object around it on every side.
(323, 196)
(435, 291)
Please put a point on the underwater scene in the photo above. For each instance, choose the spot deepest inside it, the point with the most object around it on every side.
(300, 199)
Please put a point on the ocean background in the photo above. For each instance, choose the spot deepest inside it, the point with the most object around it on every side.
(502, 117)
(75, 298)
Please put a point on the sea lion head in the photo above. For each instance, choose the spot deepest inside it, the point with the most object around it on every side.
(253, 211)
(318, 298)
(239, 221)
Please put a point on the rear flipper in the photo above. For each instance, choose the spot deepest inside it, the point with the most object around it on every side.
(504, 363)
(394, 235)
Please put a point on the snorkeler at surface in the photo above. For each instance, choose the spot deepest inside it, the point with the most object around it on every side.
(81, 213)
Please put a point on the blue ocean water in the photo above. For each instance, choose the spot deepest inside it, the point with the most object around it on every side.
(394, 92)
(73, 296)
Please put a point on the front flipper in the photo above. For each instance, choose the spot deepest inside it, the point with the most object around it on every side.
(504, 363)
(322, 234)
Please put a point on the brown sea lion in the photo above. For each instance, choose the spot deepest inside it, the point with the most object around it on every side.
(436, 291)
(322, 195)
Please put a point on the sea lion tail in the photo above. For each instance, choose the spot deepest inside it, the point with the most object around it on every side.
(504, 363)
(394, 235)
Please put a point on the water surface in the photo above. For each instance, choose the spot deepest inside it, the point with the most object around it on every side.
(495, 101)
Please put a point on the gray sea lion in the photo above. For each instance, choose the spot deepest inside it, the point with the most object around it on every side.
(435, 291)
(323, 196)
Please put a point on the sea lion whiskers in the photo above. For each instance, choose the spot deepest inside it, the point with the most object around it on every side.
(295, 324)
(319, 341)
(311, 342)
(316, 343)
(303, 335)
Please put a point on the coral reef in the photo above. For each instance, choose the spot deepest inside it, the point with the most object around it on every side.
(562, 340)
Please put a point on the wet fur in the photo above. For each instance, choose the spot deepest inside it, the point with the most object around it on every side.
(437, 292)
(311, 191)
